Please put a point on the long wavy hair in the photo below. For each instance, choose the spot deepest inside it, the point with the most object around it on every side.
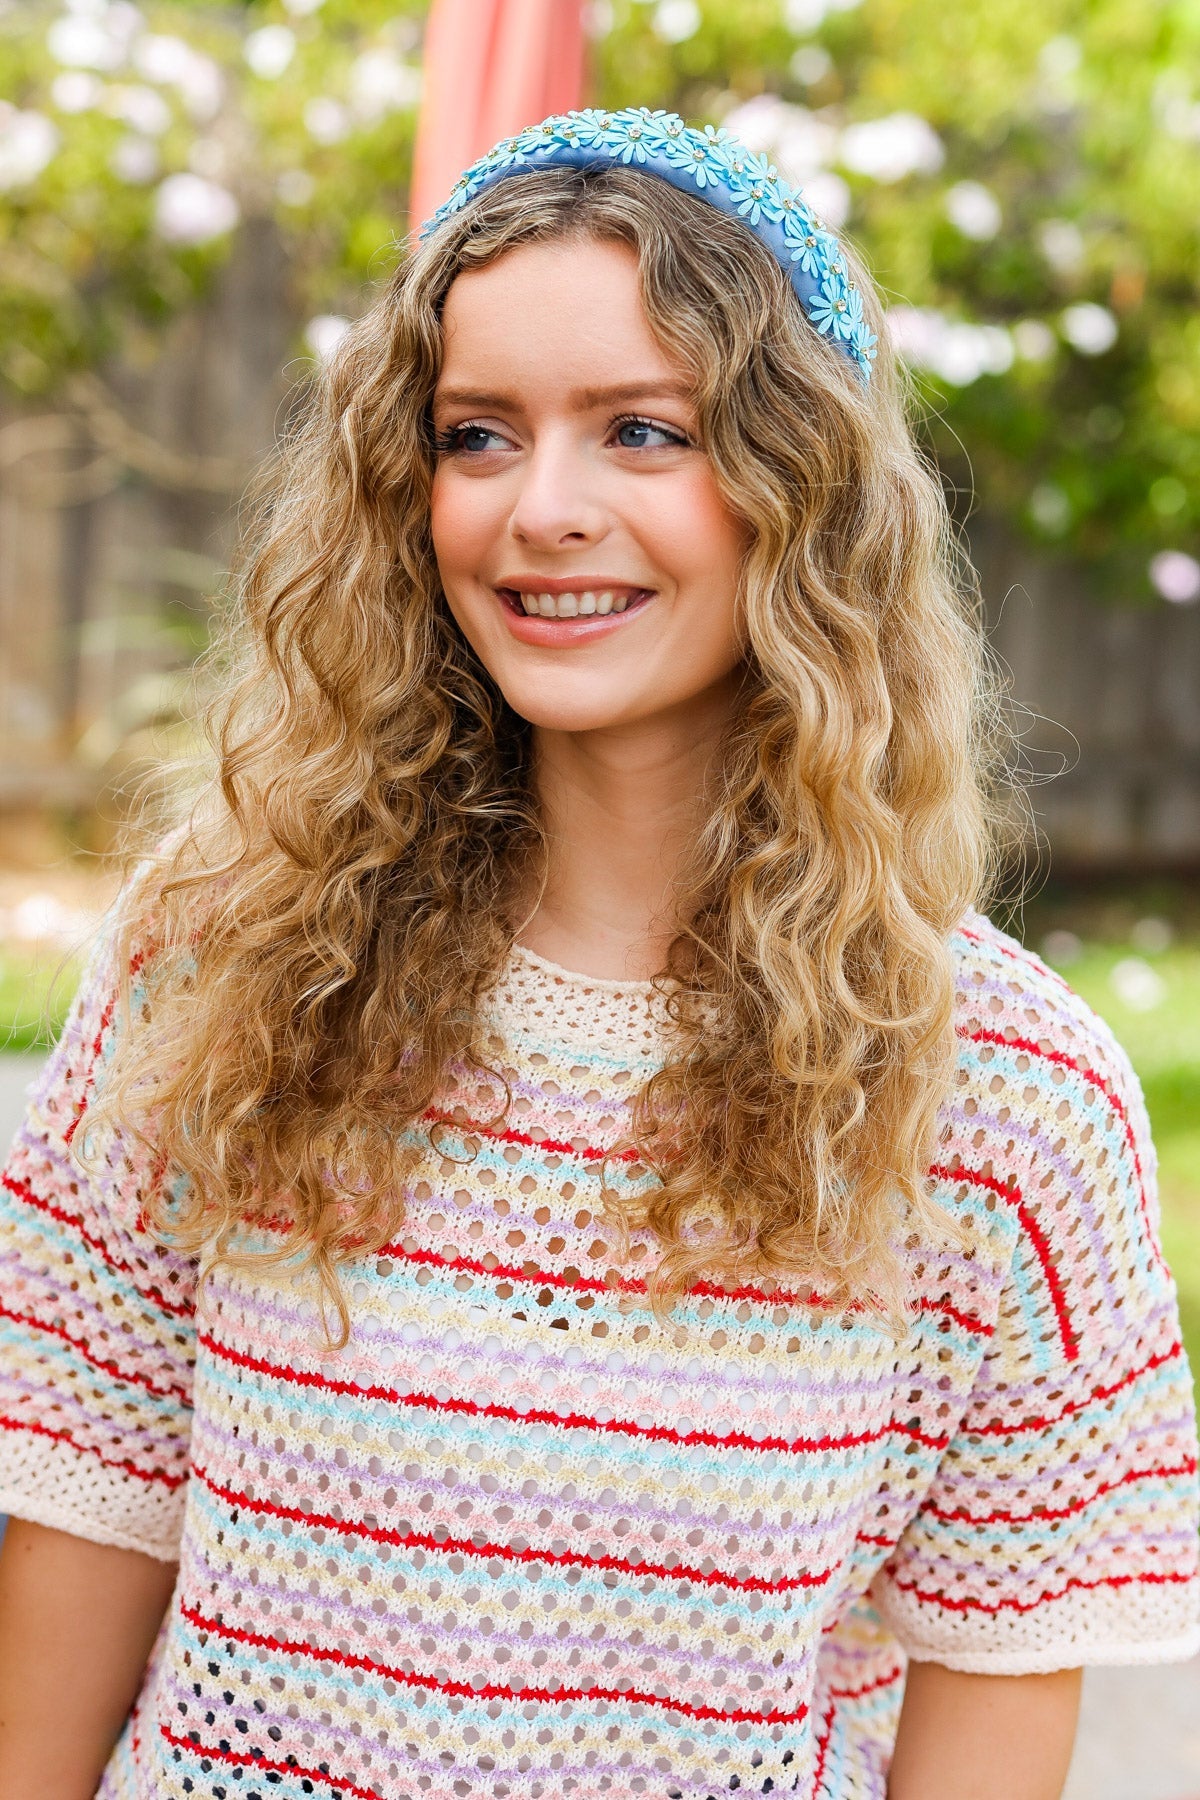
(326, 922)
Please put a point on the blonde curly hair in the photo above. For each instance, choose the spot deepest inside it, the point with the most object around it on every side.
(327, 922)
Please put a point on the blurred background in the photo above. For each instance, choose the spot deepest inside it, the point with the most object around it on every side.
(196, 199)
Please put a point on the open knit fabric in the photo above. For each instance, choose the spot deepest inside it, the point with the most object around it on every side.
(518, 1539)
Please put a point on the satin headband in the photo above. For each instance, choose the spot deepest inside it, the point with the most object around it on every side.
(713, 165)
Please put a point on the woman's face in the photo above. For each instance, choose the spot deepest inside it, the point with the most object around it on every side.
(582, 543)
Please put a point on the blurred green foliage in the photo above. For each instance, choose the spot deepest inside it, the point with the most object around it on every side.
(1045, 227)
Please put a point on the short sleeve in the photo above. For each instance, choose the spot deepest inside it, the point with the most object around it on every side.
(96, 1318)
(1061, 1527)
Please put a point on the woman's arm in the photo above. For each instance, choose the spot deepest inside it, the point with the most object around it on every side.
(984, 1737)
(77, 1622)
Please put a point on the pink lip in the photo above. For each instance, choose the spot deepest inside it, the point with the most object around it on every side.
(560, 634)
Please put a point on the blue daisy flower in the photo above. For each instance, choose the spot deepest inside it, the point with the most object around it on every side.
(827, 309)
(754, 201)
(511, 151)
(626, 140)
(701, 157)
(864, 343)
(591, 124)
(814, 249)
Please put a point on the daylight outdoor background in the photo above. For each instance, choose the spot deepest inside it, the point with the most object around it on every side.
(194, 199)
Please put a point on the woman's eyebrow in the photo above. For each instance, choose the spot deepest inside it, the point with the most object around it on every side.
(583, 398)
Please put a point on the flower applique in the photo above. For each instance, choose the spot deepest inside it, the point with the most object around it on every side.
(740, 181)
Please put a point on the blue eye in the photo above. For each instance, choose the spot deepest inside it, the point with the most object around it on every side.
(465, 439)
(634, 434)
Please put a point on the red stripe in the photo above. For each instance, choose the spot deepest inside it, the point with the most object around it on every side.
(823, 1746)
(1043, 1422)
(872, 1687)
(104, 1364)
(561, 1559)
(64, 1437)
(253, 1759)
(498, 1134)
(961, 1516)
(664, 1434)
(1037, 1237)
(629, 1284)
(492, 1690)
(964, 1603)
(21, 1190)
(106, 1018)
(1031, 1048)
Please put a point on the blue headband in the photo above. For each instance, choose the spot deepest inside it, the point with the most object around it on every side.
(711, 164)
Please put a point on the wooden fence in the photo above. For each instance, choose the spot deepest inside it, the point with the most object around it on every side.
(118, 510)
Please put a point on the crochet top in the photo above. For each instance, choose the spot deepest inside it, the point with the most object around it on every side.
(520, 1539)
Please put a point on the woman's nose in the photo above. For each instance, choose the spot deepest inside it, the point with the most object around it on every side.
(558, 502)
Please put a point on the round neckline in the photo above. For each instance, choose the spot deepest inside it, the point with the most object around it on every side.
(576, 977)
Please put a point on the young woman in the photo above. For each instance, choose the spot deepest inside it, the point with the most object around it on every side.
(558, 1253)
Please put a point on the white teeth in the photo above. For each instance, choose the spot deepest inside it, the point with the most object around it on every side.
(574, 606)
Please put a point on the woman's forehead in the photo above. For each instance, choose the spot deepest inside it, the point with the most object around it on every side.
(567, 311)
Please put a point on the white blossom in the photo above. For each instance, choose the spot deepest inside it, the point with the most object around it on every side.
(135, 159)
(380, 83)
(1061, 243)
(1176, 575)
(269, 50)
(809, 15)
(142, 108)
(1049, 508)
(890, 148)
(1152, 935)
(295, 187)
(327, 120)
(1062, 947)
(1137, 985)
(810, 64)
(954, 349)
(173, 62)
(28, 140)
(324, 333)
(829, 197)
(1033, 340)
(76, 91)
(190, 210)
(1060, 57)
(798, 140)
(86, 43)
(300, 9)
(974, 210)
(676, 20)
(1089, 328)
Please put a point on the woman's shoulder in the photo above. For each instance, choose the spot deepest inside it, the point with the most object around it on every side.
(1006, 996)
(1048, 1113)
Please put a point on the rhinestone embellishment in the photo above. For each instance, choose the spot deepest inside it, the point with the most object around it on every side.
(717, 168)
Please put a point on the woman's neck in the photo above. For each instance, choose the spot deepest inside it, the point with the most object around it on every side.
(622, 809)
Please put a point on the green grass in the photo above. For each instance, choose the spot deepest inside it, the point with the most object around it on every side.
(36, 988)
(1163, 1044)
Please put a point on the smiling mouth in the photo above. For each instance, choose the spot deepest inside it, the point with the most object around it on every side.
(588, 603)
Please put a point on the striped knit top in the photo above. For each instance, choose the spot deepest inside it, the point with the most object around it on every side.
(518, 1539)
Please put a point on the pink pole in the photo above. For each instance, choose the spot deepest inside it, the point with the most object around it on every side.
(491, 67)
